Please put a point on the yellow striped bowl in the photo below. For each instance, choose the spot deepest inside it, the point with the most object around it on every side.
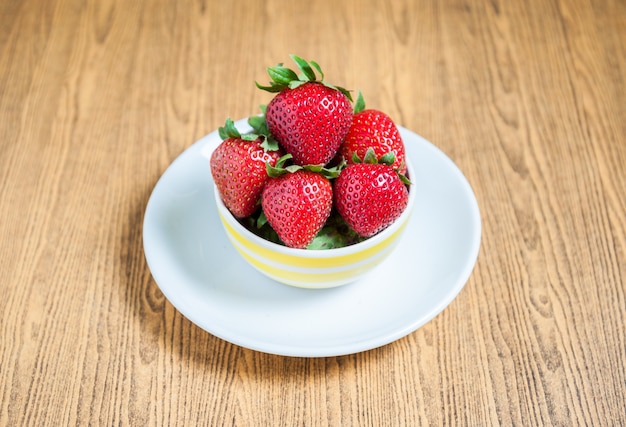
(314, 268)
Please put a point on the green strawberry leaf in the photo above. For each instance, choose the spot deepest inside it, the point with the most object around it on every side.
(388, 158)
(258, 124)
(346, 92)
(317, 67)
(251, 137)
(280, 163)
(261, 220)
(293, 168)
(257, 224)
(295, 83)
(370, 156)
(314, 168)
(228, 130)
(329, 173)
(336, 233)
(280, 169)
(281, 75)
(360, 103)
(404, 179)
(270, 144)
(307, 72)
(273, 88)
(273, 171)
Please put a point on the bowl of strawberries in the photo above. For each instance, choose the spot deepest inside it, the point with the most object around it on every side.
(314, 192)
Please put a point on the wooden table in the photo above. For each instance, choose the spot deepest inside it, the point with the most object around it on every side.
(527, 98)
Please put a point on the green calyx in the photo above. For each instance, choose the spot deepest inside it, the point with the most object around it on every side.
(230, 131)
(359, 105)
(258, 123)
(259, 126)
(259, 132)
(282, 168)
(283, 77)
(336, 233)
(370, 158)
(386, 159)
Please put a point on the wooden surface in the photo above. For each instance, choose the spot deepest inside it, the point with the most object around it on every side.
(527, 97)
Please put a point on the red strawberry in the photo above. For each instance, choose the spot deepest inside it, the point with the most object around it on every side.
(309, 118)
(372, 129)
(297, 204)
(239, 170)
(370, 197)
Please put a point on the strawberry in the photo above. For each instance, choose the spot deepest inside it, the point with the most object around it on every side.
(308, 117)
(296, 205)
(238, 166)
(370, 196)
(372, 129)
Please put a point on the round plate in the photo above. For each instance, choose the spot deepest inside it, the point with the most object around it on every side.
(200, 273)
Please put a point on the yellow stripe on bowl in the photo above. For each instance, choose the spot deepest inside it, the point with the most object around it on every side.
(322, 263)
(311, 279)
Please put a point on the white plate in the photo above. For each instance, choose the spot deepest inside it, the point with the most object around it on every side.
(209, 283)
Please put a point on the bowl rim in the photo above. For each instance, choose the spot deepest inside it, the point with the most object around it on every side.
(383, 235)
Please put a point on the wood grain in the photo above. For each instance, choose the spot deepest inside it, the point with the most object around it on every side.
(528, 99)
